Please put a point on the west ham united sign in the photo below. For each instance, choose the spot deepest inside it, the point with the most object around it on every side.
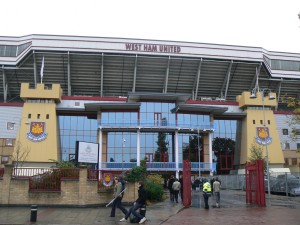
(263, 136)
(37, 131)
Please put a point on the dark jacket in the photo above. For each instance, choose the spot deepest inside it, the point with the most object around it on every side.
(170, 183)
(142, 196)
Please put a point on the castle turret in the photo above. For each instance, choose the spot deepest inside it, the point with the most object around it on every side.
(38, 141)
(260, 118)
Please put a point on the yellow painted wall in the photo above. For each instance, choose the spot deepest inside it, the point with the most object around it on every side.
(206, 148)
(41, 91)
(249, 132)
(104, 147)
(47, 149)
(44, 150)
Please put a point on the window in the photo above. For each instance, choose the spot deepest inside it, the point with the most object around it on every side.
(298, 145)
(4, 159)
(286, 161)
(294, 161)
(261, 122)
(253, 121)
(296, 131)
(285, 131)
(269, 122)
(10, 126)
(286, 146)
(9, 142)
(38, 116)
(29, 116)
(47, 116)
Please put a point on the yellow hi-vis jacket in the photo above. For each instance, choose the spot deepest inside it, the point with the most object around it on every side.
(206, 187)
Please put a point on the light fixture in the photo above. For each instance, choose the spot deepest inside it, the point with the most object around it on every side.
(253, 95)
(271, 97)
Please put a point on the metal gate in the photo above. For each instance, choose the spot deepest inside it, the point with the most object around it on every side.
(255, 188)
(187, 194)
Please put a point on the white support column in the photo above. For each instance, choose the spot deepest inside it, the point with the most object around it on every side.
(100, 149)
(138, 148)
(210, 150)
(176, 154)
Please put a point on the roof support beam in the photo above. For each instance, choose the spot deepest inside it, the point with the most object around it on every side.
(34, 69)
(278, 93)
(226, 81)
(254, 82)
(134, 74)
(102, 69)
(4, 85)
(167, 76)
(69, 76)
(197, 80)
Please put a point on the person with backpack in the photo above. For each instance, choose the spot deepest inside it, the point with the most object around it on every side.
(117, 203)
(138, 204)
(123, 182)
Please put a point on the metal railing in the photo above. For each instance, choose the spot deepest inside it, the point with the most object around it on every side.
(45, 179)
(156, 124)
(158, 166)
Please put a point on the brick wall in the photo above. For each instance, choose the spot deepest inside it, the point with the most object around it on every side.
(82, 192)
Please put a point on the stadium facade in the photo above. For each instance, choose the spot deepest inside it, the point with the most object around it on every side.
(162, 101)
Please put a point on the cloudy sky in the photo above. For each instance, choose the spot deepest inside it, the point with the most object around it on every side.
(271, 24)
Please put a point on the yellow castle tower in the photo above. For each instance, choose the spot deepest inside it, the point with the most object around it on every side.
(259, 113)
(38, 141)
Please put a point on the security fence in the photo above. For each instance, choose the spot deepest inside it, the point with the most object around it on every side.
(280, 183)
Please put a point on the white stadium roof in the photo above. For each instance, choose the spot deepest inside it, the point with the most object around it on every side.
(106, 67)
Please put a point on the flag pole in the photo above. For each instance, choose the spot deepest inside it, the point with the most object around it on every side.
(42, 69)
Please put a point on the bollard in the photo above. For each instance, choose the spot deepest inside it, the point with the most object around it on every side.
(33, 213)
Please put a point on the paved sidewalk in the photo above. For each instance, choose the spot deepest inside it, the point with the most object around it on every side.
(234, 211)
(236, 216)
(156, 214)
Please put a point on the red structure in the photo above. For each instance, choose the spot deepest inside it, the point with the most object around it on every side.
(187, 196)
(255, 187)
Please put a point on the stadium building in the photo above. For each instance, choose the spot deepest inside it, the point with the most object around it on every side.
(112, 102)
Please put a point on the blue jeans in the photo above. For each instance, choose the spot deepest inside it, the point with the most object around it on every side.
(217, 194)
(117, 203)
(133, 210)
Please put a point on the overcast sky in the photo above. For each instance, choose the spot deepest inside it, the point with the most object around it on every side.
(271, 24)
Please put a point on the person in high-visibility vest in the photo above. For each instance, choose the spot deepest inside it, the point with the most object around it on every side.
(206, 193)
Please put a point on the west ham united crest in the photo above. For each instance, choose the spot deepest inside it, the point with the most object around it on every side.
(107, 179)
(263, 136)
(37, 131)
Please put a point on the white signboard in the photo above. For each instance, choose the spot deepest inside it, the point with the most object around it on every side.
(88, 152)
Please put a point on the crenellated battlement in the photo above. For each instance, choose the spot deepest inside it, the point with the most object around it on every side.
(41, 91)
(246, 100)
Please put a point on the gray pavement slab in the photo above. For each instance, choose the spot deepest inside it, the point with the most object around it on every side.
(284, 210)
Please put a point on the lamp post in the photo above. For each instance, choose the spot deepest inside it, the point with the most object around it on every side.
(253, 95)
(123, 145)
(199, 154)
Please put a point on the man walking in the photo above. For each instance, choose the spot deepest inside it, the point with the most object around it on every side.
(216, 189)
(176, 187)
(139, 203)
(206, 192)
(170, 187)
(117, 203)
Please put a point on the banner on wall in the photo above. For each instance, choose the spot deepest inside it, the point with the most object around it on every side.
(108, 179)
(263, 136)
(37, 132)
(87, 152)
